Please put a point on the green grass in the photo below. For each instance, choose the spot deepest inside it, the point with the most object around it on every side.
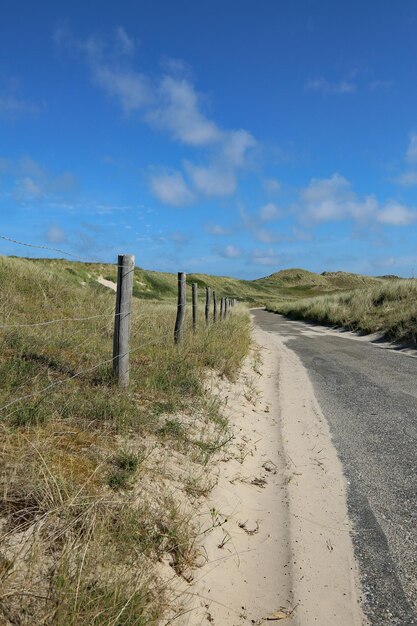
(162, 286)
(86, 505)
(389, 308)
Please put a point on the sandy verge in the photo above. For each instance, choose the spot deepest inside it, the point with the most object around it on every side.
(275, 532)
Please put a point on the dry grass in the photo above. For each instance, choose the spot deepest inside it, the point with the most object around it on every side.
(94, 482)
(389, 308)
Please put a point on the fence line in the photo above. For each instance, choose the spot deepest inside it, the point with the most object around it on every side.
(63, 381)
(122, 317)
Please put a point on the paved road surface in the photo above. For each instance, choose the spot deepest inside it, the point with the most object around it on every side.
(369, 397)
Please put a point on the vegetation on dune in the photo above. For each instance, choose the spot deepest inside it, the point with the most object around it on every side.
(389, 308)
(276, 288)
(86, 503)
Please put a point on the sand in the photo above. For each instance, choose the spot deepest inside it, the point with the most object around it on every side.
(107, 283)
(275, 543)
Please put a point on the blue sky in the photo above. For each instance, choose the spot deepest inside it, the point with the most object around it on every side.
(233, 137)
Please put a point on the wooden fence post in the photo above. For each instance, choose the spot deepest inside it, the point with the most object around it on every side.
(214, 306)
(195, 305)
(207, 305)
(221, 308)
(180, 307)
(226, 300)
(122, 319)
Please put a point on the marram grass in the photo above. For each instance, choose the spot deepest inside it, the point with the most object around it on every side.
(389, 308)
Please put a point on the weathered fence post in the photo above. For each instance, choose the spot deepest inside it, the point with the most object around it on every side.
(221, 308)
(207, 305)
(226, 301)
(195, 305)
(122, 319)
(180, 307)
(214, 306)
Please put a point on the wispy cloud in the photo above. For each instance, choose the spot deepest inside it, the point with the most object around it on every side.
(171, 188)
(271, 185)
(169, 103)
(230, 252)
(55, 234)
(353, 81)
(269, 212)
(324, 86)
(12, 107)
(409, 177)
(180, 239)
(377, 85)
(412, 149)
(395, 214)
(179, 113)
(269, 257)
(29, 180)
(211, 180)
(125, 45)
(218, 230)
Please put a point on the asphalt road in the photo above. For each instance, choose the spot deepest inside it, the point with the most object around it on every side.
(369, 396)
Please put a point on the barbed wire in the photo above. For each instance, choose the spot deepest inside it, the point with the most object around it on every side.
(73, 376)
(69, 254)
(42, 247)
(62, 319)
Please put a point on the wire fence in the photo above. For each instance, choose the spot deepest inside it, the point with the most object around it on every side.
(122, 315)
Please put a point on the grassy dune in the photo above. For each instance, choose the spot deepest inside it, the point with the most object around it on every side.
(96, 484)
(389, 307)
(280, 286)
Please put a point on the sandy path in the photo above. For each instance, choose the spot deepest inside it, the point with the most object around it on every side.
(277, 545)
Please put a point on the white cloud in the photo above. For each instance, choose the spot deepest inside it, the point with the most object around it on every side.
(180, 239)
(230, 252)
(124, 43)
(178, 112)
(28, 189)
(394, 214)
(172, 104)
(333, 199)
(236, 145)
(271, 185)
(131, 89)
(217, 229)
(269, 212)
(327, 87)
(12, 107)
(376, 85)
(171, 188)
(34, 182)
(412, 149)
(211, 180)
(407, 179)
(268, 257)
(55, 234)
(268, 236)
